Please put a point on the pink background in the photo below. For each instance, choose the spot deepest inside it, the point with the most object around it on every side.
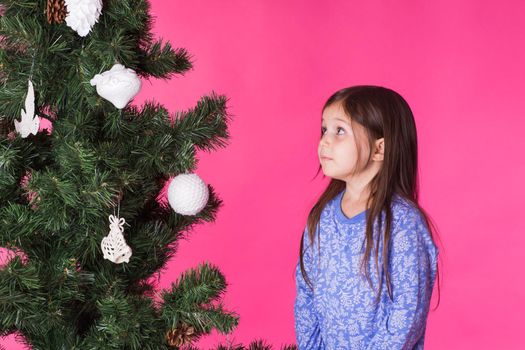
(460, 66)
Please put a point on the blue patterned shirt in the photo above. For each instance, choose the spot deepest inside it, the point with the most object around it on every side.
(341, 313)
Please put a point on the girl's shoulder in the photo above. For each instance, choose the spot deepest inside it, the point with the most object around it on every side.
(404, 211)
(330, 208)
(401, 203)
(409, 220)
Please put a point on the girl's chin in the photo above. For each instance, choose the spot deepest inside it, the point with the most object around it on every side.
(331, 174)
(334, 175)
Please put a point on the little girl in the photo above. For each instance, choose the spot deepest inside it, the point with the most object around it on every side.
(368, 148)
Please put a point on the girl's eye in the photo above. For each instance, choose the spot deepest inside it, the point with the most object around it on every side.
(323, 130)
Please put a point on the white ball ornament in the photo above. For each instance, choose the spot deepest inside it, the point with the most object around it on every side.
(187, 194)
(118, 85)
(82, 15)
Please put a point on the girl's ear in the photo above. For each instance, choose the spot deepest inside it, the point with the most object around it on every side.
(379, 151)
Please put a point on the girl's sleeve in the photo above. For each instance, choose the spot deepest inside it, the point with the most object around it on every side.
(307, 329)
(412, 259)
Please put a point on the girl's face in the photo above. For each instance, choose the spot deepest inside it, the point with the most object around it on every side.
(337, 151)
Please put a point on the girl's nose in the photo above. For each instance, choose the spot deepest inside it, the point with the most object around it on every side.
(325, 140)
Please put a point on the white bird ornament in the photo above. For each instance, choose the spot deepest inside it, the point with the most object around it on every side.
(29, 123)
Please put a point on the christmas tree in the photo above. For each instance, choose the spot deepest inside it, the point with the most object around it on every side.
(79, 204)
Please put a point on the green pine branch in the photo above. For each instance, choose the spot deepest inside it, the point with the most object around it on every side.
(192, 298)
(162, 61)
(21, 298)
(206, 125)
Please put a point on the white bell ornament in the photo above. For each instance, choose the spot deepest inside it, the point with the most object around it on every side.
(114, 245)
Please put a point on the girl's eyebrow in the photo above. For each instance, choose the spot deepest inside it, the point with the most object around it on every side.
(340, 119)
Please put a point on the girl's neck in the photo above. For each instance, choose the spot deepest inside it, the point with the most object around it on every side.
(358, 186)
(355, 198)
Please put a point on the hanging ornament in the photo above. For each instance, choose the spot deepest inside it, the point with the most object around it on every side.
(56, 11)
(30, 122)
(82, 15)
(187, 194)
(117, 85)
(114, 245)
(182, 335)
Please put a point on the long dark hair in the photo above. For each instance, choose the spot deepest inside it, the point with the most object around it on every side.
(384, 114)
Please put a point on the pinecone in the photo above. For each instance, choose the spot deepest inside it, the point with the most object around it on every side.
(56, 11)
(180, 336)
